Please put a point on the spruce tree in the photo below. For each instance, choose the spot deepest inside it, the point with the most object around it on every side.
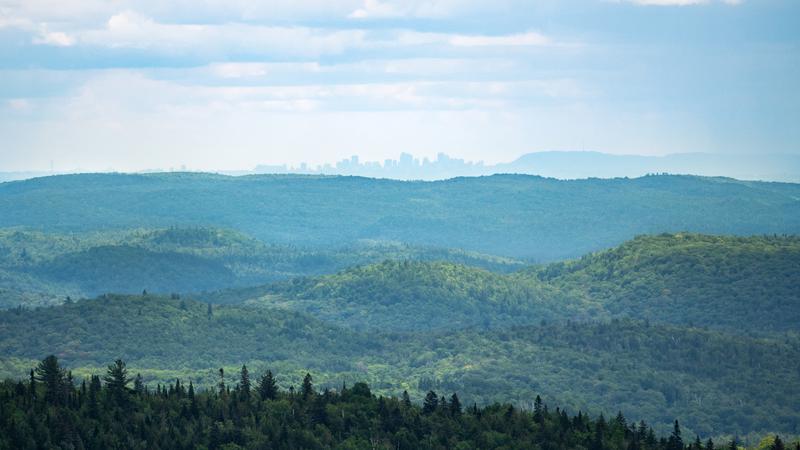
(267, 388)
(455, 405)
(138, 385)
(51, 374)
(32, 386)
(431, 403)
(778, 444)
(117, 381)
(406, 400)
(675, 442)
(244, 383)
(308, 388)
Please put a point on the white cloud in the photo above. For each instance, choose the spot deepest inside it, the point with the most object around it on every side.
(525, 39)
(56, 38)
(681, 2)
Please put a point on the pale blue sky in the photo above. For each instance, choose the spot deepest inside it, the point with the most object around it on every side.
(215, 84)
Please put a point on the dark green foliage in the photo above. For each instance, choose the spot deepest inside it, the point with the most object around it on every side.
(267, 388)
(169, 419)
(50, 373)
(656, 372)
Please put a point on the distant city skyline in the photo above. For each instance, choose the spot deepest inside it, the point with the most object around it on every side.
(563, 165)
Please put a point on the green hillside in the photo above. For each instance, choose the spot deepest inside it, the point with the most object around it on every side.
(512, 215)
(419, 296)
(42, 268)
(719, 282)
(717, 383)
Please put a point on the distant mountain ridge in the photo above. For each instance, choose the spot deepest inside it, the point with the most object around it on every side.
(518, 216)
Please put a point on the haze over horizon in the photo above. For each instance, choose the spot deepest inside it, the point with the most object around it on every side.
(231, 85)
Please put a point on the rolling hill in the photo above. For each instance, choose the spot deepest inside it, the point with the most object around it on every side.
(42, 268)
(721, 282)
(518, 216)
(717, 383)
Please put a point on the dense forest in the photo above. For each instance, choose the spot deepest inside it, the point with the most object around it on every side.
(711, 281)
(519, 216)
(716, 383)
(244, 410)
(39, 268)
(458, 286)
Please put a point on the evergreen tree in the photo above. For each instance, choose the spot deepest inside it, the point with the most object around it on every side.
(455, 405)
(32, 385)
(267, 388)
(675, 441)
(709, 444)
(778, 444)
(138, 385)
(431, 403)
(308, 388)
(117, 381)
(406, 400)
(537, 410)
(50, 373)
(244, 383)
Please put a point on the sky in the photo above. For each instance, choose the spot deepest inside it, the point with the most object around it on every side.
(222, 85)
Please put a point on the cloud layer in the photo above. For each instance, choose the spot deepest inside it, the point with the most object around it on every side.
(236, 83)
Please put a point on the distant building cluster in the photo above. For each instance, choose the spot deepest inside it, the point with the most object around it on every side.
(406, 167)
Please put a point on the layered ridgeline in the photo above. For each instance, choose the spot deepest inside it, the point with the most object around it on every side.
(42, 268)
(716, 383)
(712, 335)
(512, 215)
(726, 283)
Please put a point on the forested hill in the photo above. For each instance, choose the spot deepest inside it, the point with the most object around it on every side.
(720, 282)
(718, 384)
(728, 282)
(43, 268)
(512, 215)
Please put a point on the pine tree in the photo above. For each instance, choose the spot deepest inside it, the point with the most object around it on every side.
(138, 385)
(267, 387)
(778, 444)
(117, 381)
(431, 403)
(675, 442)
(32, 386)
(455, 405)
(537, 410)
(244, 383)
(406, 400)
(709, 444)
(94, 392)
(51, 374)
(308, 388)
